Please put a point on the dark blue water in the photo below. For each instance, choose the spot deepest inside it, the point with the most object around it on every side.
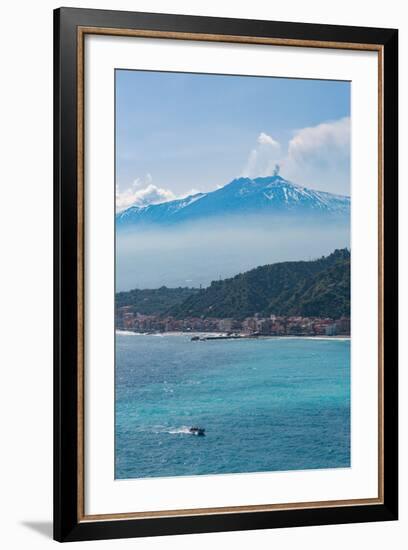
(267, 404)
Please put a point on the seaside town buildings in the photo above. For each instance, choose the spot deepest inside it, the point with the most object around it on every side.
(273, 325)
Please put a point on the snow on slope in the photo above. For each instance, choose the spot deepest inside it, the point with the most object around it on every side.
(272, 194)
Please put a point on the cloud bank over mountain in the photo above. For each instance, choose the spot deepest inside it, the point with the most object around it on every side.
(151, 194)
(320, 157)
(143, 192)
(317, 157)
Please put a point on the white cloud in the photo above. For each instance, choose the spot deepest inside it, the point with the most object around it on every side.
(317, 157)
(141, 197)
(136, 195)
(318, 140)
(265, 139)
(263, 158)
(143, 181)
(140, 193)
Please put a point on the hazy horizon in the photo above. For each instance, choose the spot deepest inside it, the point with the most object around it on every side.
(195, 254)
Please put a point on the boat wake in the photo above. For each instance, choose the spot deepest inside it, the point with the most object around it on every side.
(188, 430)
(171, 430)
(181, 430)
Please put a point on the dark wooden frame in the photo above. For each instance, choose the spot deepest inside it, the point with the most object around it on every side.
(70, 24)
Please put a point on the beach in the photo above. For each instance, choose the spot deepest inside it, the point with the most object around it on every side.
(223, 334)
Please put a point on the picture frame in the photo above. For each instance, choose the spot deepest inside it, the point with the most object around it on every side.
(71, 27)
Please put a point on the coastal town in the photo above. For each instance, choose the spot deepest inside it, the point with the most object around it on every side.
(273, 325)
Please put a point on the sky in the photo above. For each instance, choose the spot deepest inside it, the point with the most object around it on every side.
(182, 133)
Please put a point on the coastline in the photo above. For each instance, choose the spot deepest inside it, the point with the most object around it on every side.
(223, 335)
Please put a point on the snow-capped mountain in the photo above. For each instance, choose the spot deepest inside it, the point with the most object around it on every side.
(242, 196)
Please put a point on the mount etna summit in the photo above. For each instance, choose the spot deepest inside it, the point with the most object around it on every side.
(271, 195)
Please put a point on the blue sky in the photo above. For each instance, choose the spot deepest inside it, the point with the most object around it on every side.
(180, 133)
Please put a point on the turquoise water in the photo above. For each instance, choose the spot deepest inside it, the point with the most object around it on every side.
(266, 404)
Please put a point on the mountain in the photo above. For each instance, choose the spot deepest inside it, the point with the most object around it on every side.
(242, 196)
(318, 288)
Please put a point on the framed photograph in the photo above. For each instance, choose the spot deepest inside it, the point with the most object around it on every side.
(225, 274)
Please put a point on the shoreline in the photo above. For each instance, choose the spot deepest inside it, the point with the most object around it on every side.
(224, 336)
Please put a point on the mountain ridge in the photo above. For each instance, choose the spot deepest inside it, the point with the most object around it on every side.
(242, 196)
(316, 288)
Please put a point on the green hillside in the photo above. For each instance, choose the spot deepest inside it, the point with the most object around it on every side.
(154, 301)
(316, 288)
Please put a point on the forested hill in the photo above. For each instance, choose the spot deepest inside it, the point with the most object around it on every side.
(318, 288)
(154, 301)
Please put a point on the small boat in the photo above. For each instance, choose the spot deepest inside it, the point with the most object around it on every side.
(195, 338)
(194, 430)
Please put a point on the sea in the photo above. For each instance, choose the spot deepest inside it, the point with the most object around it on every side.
(267, 404)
